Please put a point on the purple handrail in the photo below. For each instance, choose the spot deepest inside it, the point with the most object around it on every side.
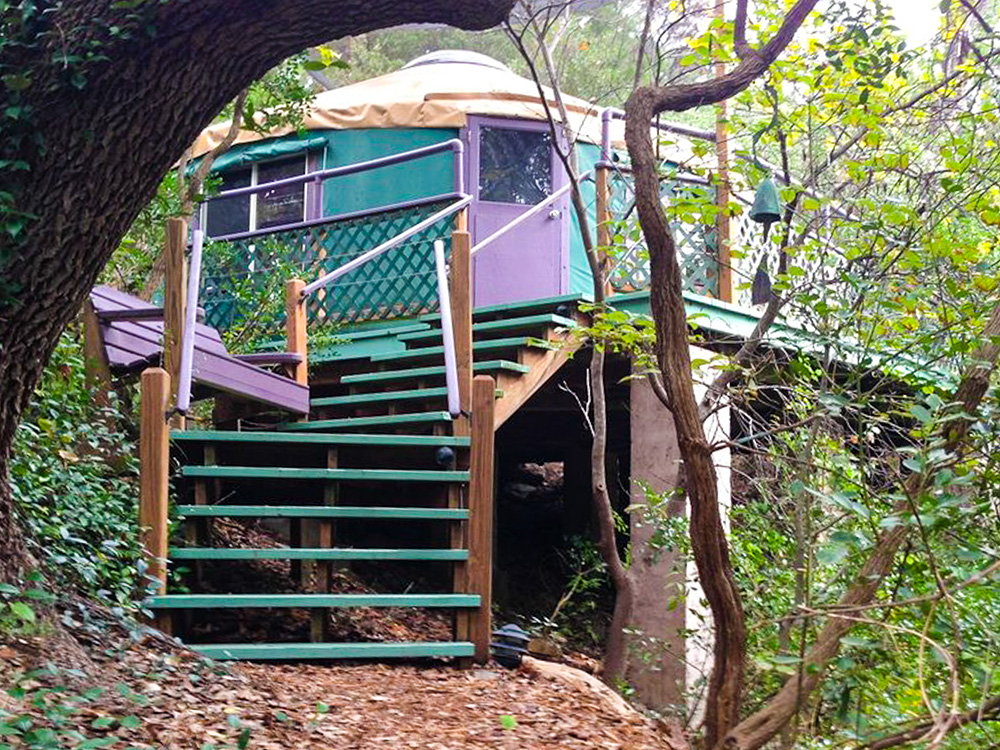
(453, 144)
(190, 321)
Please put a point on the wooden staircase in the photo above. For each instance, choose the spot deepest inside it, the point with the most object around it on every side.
(378, 457)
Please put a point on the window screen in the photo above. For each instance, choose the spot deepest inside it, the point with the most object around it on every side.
(280, 205)
(230, 215)
(515, 166)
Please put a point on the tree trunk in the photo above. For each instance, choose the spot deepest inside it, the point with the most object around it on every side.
(95, 154)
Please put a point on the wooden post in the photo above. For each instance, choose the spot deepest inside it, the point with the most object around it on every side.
(295, 329)
(324, 569)
(603, 215)
(481, 512)
(461, 310)
(174, 292)
(154, 463)
(723, 220)
(95, 358)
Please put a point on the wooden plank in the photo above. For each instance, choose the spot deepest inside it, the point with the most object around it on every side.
(505, 325)
(324, 570)
(295, 330)
(415, 394)
(510, 309)
(387, 420)
(315, 553)
(340, 511)
(357, 475)
(542, 366)
(97, 367)
(302, 651)
(478, 346)
(174, 293)
(226, 436)
(461, 306)
(229, 375)
(480, 565)
(307, 601)
(270, 358)
(492, 365)
(154, 469)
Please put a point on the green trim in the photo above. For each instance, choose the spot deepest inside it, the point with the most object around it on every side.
(371, 398)
(309, 601)
(478, 346)
(309, 553)
(360, 475)
(530, 322)
(387, 420)
(296, 651)
(545, 304)
(320, 511)
(221, 436)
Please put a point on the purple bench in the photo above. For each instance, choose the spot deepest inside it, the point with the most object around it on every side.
(132, 333)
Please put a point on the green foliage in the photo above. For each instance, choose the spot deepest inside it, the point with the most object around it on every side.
(74, 481)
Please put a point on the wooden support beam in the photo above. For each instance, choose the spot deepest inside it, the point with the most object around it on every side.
(174, 294)
(95, 359)
(481, 513)
(324, 569)
(461, 308)
(603, 213)
(154, 466)
(295, 330)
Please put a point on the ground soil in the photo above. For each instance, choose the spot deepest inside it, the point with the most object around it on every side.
(175, 699)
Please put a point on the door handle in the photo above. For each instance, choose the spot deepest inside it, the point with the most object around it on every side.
(555, 213)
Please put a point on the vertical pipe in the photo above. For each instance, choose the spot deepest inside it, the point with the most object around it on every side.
(481, 512)
(173, 304)
(447, 333)
(154, 461)
(190, 324)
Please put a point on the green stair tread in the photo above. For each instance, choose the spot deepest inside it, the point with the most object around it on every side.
(520, 308)
(493, 365)
(309, 601)
(367, 331)
(221, 436)
(282, 651)
(315, 553)
(478, 346)
(286, 472)
(361, 399)
(322, 511)
(383, 420)
(504, 324)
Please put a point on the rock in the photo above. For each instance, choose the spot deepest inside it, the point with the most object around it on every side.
(544, 647)
(584, 683)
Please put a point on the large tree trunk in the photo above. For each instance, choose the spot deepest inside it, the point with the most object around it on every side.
(97, 153)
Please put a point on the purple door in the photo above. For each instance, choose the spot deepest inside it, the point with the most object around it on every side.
(513, 167)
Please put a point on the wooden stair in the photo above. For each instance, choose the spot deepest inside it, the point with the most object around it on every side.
(370, 453)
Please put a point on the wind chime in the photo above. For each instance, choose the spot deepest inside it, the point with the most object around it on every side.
(766, 210)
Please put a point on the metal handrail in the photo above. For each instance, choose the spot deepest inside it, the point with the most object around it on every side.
(353, 265)
(454, 144)
(190, 321)
(447, 332)
(536, 209)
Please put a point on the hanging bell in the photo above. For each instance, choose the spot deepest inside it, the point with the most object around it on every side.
(760, 291)
(766, 207)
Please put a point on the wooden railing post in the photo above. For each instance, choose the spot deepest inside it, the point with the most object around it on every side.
(461, 309)
(154, 462)
(603, 215)
(96, 369)
(723, 221)
(295, 329)
(480, 573)
(174, 293)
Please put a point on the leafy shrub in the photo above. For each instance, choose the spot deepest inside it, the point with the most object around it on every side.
(74, 477)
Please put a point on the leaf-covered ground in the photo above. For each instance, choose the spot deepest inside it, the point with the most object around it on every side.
(94, 681)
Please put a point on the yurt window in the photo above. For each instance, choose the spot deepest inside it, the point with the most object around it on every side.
(515, 166)
(270, 208)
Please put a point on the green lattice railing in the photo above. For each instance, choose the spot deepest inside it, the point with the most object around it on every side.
(695, 242)
(244, 278)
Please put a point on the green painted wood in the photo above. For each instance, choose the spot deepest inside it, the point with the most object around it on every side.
(370, 398)
(477, 347)
(309, 601)
(493, 365)
(546, 304)
(297, 651)
(315, 553)
(529, 323)
(385, 420)
(319, 511)
(221, 436)
(357, 475)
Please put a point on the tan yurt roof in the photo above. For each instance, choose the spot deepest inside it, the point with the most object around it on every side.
(438, 90)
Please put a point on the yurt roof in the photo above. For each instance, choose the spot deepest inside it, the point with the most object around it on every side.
(438, 90)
